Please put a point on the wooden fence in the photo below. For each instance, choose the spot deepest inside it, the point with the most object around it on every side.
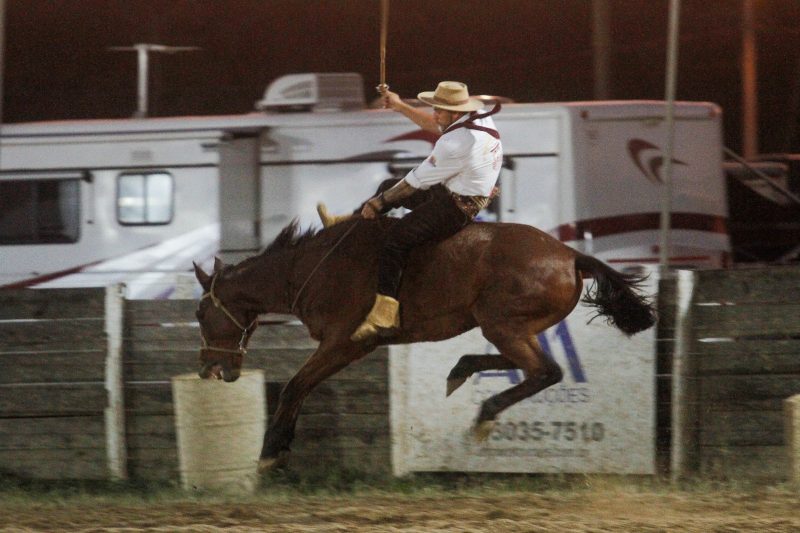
(85, 383)
(735, 358)
(52, 384)
(79, 401)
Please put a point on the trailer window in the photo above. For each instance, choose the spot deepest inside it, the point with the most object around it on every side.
(144, 198)
(45, 211)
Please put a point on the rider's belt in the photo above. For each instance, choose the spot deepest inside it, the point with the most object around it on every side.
(470, 205)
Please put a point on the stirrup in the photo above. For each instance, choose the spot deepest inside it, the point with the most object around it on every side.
(327, 219)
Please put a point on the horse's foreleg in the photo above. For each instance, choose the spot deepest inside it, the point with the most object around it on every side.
(470, 364)
(519, 345)
(322, 364)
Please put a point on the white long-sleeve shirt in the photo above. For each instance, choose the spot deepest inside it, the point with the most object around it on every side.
(466, 161)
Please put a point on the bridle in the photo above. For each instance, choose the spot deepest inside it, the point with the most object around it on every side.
(219, 305)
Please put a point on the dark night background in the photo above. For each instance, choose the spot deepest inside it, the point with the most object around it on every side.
(57, 63)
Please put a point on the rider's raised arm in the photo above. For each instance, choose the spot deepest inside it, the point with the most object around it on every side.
(423, 119)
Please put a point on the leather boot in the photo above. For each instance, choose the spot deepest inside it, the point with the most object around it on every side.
(329, 220)
(383, 320)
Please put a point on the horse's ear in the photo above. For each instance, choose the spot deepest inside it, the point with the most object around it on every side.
(218, 264)
(202, 277)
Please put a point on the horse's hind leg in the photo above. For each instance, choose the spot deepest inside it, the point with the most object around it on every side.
(517, 343)
(470, 364)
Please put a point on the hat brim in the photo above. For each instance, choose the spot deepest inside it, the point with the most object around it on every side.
(473, 104)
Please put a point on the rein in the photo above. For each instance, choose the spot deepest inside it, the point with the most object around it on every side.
(319, 264)
(219, 305)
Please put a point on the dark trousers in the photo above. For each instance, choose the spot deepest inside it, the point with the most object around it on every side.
(434, 217)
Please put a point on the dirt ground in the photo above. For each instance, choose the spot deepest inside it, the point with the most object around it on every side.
(595, 509)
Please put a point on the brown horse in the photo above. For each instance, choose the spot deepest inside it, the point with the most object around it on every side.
(513, 281)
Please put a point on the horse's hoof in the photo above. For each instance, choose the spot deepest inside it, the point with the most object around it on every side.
(268, 464)
(453, 384)
(482, 430)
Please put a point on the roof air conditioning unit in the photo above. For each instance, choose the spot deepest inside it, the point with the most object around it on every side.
(314, 92)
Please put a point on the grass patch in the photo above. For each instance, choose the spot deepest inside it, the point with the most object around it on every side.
(13, 488)
(283, 485)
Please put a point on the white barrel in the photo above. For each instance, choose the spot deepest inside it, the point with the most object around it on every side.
(791, 411)
(220, 428)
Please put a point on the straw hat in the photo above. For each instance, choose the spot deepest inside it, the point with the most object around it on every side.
(452, 96)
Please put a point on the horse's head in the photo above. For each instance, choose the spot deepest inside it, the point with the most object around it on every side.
(225, 329)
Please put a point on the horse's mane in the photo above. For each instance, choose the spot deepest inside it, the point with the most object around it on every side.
(290, 237)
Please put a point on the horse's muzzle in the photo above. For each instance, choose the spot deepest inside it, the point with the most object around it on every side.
(229, 376)
(218, 371)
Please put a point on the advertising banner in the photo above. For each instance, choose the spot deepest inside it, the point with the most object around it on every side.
(599, 419)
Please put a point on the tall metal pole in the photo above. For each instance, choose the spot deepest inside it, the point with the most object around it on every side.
(601, 44)
(142, 79)
(749, 81)
(2, 64)
(666, 189)
(2, 53)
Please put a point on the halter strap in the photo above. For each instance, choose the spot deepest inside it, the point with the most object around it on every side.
(470, 122)
(219, 305)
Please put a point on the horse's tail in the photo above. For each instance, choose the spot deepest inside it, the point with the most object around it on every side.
(616, 296)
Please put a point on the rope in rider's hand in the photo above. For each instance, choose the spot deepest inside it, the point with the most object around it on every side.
(356, 222)
(382, 88)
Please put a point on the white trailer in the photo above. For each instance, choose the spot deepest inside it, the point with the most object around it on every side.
(91, 202)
